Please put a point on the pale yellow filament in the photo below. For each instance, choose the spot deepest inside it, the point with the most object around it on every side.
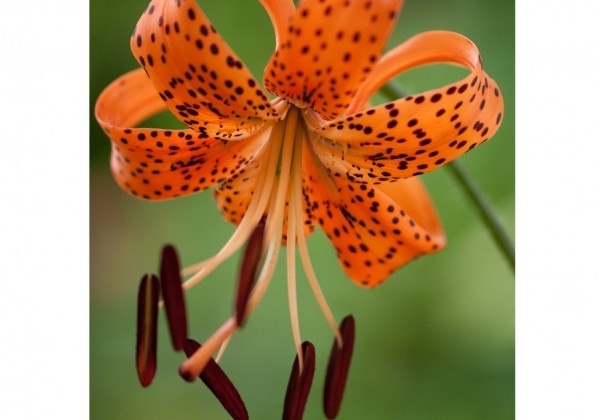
(256, 207)
(251, 218)
(272, 191)
(291, 270)
(277, 194)
(222, 349)
(296, 192)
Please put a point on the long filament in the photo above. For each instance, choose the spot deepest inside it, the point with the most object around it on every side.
(304, 256)
(291, 278)
(196, 363)
(275, 217)
(255, 211)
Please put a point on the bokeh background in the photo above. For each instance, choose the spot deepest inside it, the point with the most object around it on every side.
(436, 341)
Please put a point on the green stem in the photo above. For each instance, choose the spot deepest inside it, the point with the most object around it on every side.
(392, 92)
(478, 198)
(485, 210)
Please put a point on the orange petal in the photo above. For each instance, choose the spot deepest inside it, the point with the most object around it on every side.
(328, 50)
(412, 196)
(371, 228)
(425, 48)
(159, 164)
(234, 195)
(201, 79)
(418, 133)
(280, 12)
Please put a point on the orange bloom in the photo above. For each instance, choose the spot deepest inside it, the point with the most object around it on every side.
(312, 155)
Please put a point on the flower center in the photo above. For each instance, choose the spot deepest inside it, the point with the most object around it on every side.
(279, 200)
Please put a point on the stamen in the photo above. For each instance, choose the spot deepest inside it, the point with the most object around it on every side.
(222, 349)
(254, 213)
(291, 275)
(337, 369)
(273, 232)
(314, 284)
(299, 384)
(173, 296)
(220, 385)
(191, 368)
(297, 208)
(292, 222)
(247, 277)
(194, 365)
(287, 149)
(267, 271)
(147, 329)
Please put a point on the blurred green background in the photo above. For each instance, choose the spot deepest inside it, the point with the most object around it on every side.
(436, 341)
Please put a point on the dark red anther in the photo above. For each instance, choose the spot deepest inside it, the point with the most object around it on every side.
(248, 271)
(299, 384)
(220, 385)
(170, 279)
(147, 328)
(337, 369)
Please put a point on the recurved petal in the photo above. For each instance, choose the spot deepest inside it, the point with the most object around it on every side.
(411, 196)
(329, 48)
(425, 48)
(195, 72)
(160, 164)
(370, 227)
(280, 12)
(418, 133)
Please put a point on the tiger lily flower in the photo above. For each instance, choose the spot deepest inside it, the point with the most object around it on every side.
(315, 154)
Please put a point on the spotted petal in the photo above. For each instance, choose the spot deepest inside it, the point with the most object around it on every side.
(159, 164)
(328, 50)
(374, 230)
(419, 133)
(234, 195)
(201, 79)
